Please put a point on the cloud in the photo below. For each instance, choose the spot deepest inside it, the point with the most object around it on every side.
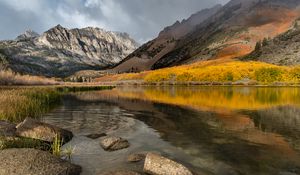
(142, 19)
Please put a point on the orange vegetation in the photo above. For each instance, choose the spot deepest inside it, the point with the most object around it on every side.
(215, 71)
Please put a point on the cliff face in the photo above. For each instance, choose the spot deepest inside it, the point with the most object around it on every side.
(62, 52)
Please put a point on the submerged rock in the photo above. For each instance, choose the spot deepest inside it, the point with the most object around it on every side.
(32, 128)
(137, 157)
(32, 161)
(112, 143)
(159, 165)
(96, 136)
(7, 129)
(121, 173)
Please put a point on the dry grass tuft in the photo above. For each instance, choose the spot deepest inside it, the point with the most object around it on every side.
(10, 78)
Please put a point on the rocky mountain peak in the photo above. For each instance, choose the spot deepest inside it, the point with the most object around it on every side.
(65, 51)
(27, 35)
(90, 41)
(57, 28)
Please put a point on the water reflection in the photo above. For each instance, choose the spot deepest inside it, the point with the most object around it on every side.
(215, 97)
(220, 130)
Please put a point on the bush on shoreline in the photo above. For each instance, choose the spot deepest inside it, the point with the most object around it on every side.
(219, 73)
(214, 72)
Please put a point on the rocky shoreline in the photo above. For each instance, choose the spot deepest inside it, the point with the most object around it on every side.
(23, 150)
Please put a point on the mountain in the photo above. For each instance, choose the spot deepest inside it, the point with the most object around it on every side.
(62, 52)
(28, 35)
(282, 50)
(224, 32)
(145, 56)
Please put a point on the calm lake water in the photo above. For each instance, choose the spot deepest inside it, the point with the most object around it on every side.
(212, 130)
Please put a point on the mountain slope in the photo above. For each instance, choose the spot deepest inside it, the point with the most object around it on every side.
(231, 31)
(282, 50)
(62, 52)
(145, 56)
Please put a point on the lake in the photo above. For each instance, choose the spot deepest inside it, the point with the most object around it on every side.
(211, 130)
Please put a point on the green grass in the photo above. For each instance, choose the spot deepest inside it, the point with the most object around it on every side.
(56, 146)
(17, 142)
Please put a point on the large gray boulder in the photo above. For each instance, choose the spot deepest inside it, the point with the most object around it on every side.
(7, 129)
(35, 129)
(159, 165)
(112, 143)
(34, 162)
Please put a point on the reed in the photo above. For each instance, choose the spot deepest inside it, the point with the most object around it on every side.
(56, 146)
(18, 103)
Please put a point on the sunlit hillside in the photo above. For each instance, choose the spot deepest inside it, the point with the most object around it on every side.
(215, 72)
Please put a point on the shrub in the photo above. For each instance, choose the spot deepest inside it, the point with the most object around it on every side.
(186, 76)
(229, 76)
(295, 74)
(268, 75)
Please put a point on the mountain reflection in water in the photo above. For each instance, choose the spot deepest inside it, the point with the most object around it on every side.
(213, 130)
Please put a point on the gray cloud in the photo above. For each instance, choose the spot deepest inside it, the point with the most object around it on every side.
(142, 19)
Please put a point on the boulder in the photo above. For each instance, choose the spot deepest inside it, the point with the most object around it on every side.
(136, 157)
(121, 173)
(159, 165)
(32, 128)
(96, 136)
(7, 129)
(32, 161)
(112, 143)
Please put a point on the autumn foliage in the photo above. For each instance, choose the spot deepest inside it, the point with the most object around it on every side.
(218, 71)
